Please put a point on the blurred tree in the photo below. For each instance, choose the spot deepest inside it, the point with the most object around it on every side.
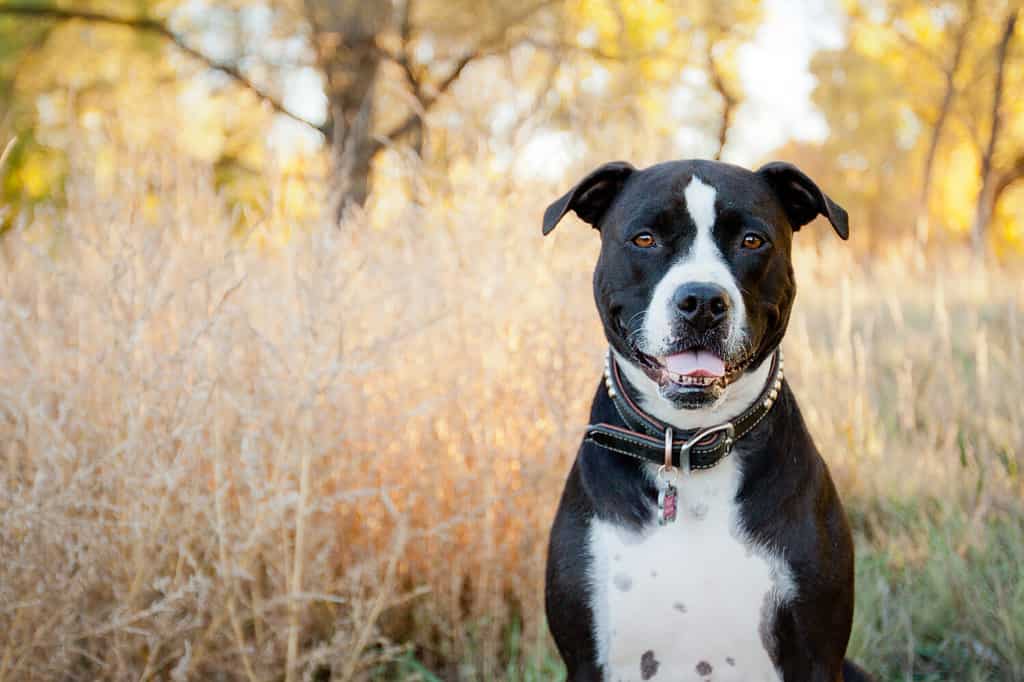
(344, 35)
(942, 48)
(723, 28)
(75, 77)
(386, 65)
(988, 196)
(915, 105)
(351, 41)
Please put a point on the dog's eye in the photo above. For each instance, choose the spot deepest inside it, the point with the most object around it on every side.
(752, 241)
(644, 240)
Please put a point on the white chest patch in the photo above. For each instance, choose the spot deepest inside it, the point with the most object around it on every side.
(692, 600)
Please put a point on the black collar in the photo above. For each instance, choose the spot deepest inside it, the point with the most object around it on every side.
(650, 439)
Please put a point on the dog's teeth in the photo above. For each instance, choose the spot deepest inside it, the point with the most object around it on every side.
(692, 381)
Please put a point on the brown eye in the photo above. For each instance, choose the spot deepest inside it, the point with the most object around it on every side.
(752, 241)
(644, 240)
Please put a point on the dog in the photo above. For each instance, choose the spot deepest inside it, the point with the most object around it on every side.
(699, 535)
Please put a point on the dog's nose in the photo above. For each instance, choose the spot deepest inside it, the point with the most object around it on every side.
(703, 305)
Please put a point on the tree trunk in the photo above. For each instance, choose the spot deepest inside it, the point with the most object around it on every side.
(986, 198)
(940, 123)
(728, 101)
(345, 36)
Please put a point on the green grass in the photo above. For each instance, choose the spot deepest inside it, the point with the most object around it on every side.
(939, 596)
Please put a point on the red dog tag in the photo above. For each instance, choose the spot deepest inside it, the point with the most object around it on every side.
(667, 498)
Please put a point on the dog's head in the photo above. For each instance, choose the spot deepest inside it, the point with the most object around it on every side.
(694, 283)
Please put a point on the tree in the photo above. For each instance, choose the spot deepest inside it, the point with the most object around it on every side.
(988, 196)
(723, 27)
(946, 58)
(349, 39)
(344, 36)
(911, 103)
(387, 65)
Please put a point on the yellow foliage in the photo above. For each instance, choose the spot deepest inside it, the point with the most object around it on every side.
(921, 23)
(956, 189)
(39, 174)
(105, 168)
(872, 40)
(150, 208)
(1008, 223)
(625, 28)
(884, 95)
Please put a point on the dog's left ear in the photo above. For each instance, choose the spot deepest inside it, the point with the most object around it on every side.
(591, 196)
(801, 198)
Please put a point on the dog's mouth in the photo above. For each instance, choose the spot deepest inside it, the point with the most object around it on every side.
(694, 369)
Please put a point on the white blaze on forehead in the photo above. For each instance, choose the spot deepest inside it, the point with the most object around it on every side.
(700, 203)
(703, 262)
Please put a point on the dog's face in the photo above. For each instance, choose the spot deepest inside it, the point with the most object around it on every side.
(694, 283)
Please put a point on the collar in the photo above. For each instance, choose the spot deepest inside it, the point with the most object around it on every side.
(652, 440)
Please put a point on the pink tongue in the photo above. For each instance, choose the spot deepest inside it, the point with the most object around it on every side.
(698, 364)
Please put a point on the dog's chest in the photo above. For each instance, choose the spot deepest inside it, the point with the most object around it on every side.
(692, 600)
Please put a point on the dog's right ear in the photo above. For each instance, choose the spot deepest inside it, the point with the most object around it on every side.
(591, 196)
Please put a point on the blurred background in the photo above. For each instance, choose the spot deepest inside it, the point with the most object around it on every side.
(289, 381)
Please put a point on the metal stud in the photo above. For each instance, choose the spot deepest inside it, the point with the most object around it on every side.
(774, 394)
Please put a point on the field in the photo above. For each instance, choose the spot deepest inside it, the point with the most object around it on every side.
(312, 453)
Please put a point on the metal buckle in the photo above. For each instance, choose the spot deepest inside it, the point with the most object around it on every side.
(727, 427)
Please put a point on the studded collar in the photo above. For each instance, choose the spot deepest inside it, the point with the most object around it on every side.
(650, 439)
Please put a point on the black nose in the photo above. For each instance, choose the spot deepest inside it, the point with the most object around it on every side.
(703, 305)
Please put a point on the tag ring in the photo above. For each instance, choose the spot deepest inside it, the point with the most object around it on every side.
(667, 467)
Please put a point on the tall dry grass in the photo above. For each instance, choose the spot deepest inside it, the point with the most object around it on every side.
(337, 457)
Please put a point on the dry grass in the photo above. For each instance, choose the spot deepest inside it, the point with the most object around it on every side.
(338, 458)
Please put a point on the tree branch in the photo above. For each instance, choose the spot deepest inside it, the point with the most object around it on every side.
(404, 59)
(484, 48)
(929, 56)
(986, 197)
(426, 101)
(728, 99)
(594, 51)
(1008, 177)
(162, 30)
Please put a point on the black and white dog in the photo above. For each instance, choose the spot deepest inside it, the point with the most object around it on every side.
(699, 536)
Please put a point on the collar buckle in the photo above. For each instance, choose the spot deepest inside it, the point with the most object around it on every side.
(684, 450)
(727, 428)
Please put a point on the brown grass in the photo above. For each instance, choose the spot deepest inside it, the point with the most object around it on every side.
(230, 460)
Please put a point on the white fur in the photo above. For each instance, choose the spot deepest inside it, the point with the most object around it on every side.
(692, 592)
(704, 561)
(703, 262)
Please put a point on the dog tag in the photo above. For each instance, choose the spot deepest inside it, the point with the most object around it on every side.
(667, 499)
